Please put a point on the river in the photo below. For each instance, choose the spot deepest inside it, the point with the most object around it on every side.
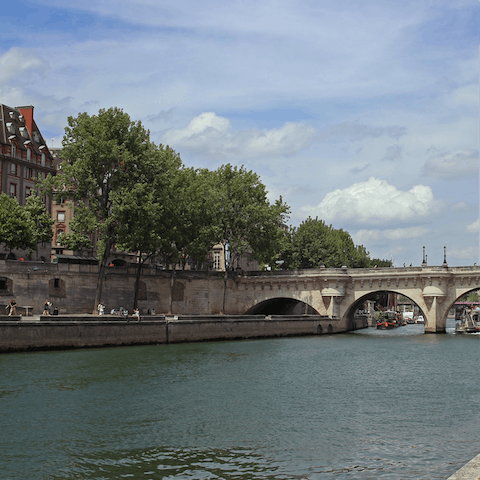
(367, 405)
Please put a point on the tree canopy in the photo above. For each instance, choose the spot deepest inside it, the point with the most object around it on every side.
(104, 154)
(24, 227)
(314, 243)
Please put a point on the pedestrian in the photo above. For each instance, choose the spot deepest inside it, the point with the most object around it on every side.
(101, 308)
(12, 308)
(136, 314)
(46, 307)
(55, 311)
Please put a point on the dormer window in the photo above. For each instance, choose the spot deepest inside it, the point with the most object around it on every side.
(24, 132)
(11, 127)
(36, 136)
(12, 114)
(21, 118)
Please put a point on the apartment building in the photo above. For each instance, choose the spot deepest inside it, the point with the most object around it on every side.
(24, 160)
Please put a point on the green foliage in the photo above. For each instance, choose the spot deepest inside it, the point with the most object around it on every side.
(24, 227)
(104, 154)
(314, 242)
(249, 223)
(146, 210)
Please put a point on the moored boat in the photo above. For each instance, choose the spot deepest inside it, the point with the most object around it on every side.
(470, 322)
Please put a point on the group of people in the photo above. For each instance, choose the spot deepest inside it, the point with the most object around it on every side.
(11, 307)
(122, 312)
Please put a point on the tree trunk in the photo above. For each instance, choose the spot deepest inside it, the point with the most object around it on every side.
(101, 275)
(172, 285)
(225, 279)
(137, 280)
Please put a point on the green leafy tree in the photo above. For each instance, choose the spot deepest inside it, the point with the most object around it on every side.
(314, 243)
(146, 212)
(248, 223)
(104, 154)
(24, 227)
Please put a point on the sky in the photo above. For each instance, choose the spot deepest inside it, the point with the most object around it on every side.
(363, 114)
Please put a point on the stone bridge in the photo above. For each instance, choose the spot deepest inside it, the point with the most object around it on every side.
(340, 292)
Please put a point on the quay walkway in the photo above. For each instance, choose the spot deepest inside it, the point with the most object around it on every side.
(470, 471)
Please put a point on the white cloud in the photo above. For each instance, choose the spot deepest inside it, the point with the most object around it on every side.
(16, 62)
(474, 227)
(211, 134)
(452, 165)
(373, 201)
(356, 131)
(467, 252)
(364, 236)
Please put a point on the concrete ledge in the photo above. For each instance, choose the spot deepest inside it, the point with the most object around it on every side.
(81, 331)
(470, 471)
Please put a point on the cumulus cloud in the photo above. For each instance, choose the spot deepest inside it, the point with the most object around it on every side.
(355, 131)
(16, 62)
(211, 134)
(474, 227)
(373, 201)
(364, 236)
(452, 165)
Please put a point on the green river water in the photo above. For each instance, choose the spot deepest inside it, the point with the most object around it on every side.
(372, 404)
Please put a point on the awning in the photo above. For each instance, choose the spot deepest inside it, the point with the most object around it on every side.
(60, 258)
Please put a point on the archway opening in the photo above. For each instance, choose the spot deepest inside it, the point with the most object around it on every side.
(282, 306)
(466, 311)
(384, 309)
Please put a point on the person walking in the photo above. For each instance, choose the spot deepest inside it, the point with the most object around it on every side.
(12, 308)
(46, 307)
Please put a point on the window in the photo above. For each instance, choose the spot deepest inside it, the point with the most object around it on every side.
(29, 154)
(58, 233)
(28, 191)
(10, 127)
(13, 189)
(23, 132)
(60, 216)
(43, 159)
(13, 169)
(12, 114)
(14, 150)
(29, 173)
(56, 283)
(216, 260)
(36, 136)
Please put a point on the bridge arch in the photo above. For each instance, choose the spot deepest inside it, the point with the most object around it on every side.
(281, 306)
(359, 302)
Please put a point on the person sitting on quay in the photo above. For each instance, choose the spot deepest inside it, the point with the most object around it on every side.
(136, 313)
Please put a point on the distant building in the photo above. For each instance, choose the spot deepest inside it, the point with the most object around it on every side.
(24, 159)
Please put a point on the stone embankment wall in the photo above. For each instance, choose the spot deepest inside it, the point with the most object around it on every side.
(77, 331)
(71, 288)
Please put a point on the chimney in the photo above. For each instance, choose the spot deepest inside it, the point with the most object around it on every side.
(27, 113)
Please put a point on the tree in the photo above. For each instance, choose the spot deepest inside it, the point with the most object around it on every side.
(146, 212)
(248, 223)
(24, 227)
(314, 243)
(104, 154)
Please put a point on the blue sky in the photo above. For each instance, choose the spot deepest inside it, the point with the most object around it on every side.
(365, 114)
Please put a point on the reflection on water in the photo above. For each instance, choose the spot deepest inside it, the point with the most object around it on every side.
(394, 404)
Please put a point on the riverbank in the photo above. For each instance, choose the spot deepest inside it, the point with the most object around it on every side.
(470, 471)
(82, 331)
